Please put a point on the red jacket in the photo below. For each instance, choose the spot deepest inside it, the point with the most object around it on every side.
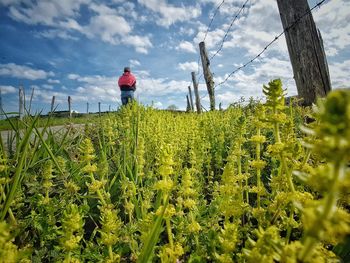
(127, 81)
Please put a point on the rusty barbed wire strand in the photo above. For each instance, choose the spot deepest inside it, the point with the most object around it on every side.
(208, 28)
(270, 43)
(223, 39)
(212, 19)
(228, 29)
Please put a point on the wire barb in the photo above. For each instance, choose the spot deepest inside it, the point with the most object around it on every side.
(229, 28)
(212, 19)
(269, 44)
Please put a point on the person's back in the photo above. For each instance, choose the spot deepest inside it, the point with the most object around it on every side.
(127, 85)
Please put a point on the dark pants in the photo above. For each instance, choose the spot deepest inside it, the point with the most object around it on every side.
(127, 96)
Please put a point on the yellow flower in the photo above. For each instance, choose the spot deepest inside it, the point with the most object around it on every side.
(194, 227)
(258, 164)
(89, 168)
(95, 186)
(164, 185)
(190, 203)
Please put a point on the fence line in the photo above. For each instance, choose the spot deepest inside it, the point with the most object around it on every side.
(229, 28)
(208, 27)
(270, 43)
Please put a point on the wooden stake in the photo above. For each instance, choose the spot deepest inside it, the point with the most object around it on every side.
(305, 50)
(188, 109)
(31, 100)
(21, 102)
(196, 93)
(191, 98)
(52, 104)
(1, 108)
(70, 106)
(207, 74)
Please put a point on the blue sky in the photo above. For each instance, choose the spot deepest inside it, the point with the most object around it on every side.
(78, 48)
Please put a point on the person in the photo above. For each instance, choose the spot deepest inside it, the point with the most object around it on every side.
(127, 85)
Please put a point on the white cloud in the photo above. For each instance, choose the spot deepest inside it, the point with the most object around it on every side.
(142, 73)
(249, 83)
(55, 33)
(7, 89)
(23, 72)
(170, 14)
(158, 105)
(255, 32)
(159, 87)
(333, 20)
(114, 29)
(189, 31)
(53, 81)
(108, 27)
(134, 63)
(339, 72)
(96, 87)
(46, 86)
(141, 43)
(186, 46)
(10, 2)
(252, 30)
(45, 95)
(70, 24)
(188, 66)
(45, 12)
(212, 39)
(106, 23)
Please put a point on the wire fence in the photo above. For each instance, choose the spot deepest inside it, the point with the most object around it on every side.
(270, 43)
(221, 45)
(253, 59)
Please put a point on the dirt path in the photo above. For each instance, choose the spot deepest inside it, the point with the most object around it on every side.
(8, 136)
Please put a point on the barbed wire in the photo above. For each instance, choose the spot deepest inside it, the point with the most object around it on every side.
(225, 36)
(212, 19)
(229, 28)
(270, 43)
(222, 42)
(208, 27)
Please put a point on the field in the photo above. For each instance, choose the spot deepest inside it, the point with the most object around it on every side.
(14, 123)
(258, 182)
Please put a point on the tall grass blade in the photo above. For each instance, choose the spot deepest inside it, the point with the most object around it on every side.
(22, 151)
(148, 248)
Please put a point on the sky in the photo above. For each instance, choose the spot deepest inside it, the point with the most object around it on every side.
(78, 48)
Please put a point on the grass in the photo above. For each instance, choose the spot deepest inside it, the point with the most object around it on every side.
(53, 121)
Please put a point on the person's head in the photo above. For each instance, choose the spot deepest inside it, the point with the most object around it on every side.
(126, 69)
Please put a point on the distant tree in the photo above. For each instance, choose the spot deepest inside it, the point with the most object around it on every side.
(172, 107)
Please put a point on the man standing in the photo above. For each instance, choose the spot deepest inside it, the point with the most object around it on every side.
(127, 85)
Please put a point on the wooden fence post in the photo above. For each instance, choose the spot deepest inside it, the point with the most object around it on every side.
(188, 108)
(87, 107)
(207, 74)
(70, 106)
(2, 116)
(305, 50)
(99, 108)
(191, 98)
(53, 104)
(196, 93)
(31, 100)
(21, 102)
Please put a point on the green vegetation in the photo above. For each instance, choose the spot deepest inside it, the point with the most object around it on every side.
(253, 183)
(46, 120)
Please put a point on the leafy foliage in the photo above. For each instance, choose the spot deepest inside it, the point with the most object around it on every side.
(253, 183)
